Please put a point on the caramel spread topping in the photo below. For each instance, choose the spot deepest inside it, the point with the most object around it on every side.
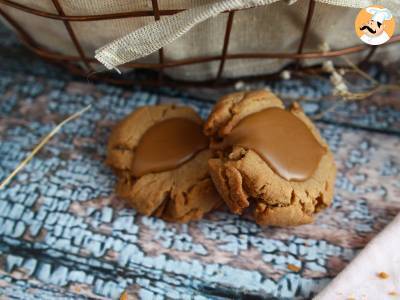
(281, 139)
(168, 144)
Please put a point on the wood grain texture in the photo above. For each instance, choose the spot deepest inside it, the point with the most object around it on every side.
(64, 234)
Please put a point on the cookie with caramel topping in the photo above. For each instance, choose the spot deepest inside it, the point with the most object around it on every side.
(268, 159)
(160, 155)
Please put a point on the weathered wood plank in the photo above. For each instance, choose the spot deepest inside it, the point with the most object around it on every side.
(63, 234)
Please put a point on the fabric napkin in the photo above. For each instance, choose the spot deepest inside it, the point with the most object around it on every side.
(374, 273)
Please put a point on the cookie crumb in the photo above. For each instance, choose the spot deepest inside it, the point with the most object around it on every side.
(383, 275)
(296, 106)
(293, 268)
(392, 293)
(124, 296)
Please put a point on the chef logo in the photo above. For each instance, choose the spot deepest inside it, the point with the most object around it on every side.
(374, 25)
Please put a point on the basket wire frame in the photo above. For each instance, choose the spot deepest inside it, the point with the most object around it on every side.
(82, 65)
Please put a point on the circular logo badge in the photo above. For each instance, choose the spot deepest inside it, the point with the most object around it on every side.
(375, 25)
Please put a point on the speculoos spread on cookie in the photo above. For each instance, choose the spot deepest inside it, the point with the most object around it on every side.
(167, 145)
(281, 139)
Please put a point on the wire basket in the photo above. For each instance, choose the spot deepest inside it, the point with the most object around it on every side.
(83, 65)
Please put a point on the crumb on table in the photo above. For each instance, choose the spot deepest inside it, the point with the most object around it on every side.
(124, 296)
(383, 275)
(293, 268)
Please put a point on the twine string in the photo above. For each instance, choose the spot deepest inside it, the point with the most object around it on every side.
(39, 146)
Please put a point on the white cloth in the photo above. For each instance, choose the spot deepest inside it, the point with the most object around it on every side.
(375, 40)
(360, 280)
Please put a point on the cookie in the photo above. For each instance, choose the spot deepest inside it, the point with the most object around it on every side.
(160, 155)
(269, 160)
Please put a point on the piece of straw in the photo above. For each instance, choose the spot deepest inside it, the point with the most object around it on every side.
(359, 71)
(42, 143)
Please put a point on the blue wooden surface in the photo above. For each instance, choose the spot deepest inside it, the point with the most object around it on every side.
(64, 234)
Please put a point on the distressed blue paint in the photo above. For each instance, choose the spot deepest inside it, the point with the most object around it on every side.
(59, 227)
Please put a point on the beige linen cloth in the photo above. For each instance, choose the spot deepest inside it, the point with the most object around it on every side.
(272, 26)
(361, 280)
(154, 36)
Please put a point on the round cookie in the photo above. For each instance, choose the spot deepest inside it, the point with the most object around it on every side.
(244, 176)
(160, 154)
